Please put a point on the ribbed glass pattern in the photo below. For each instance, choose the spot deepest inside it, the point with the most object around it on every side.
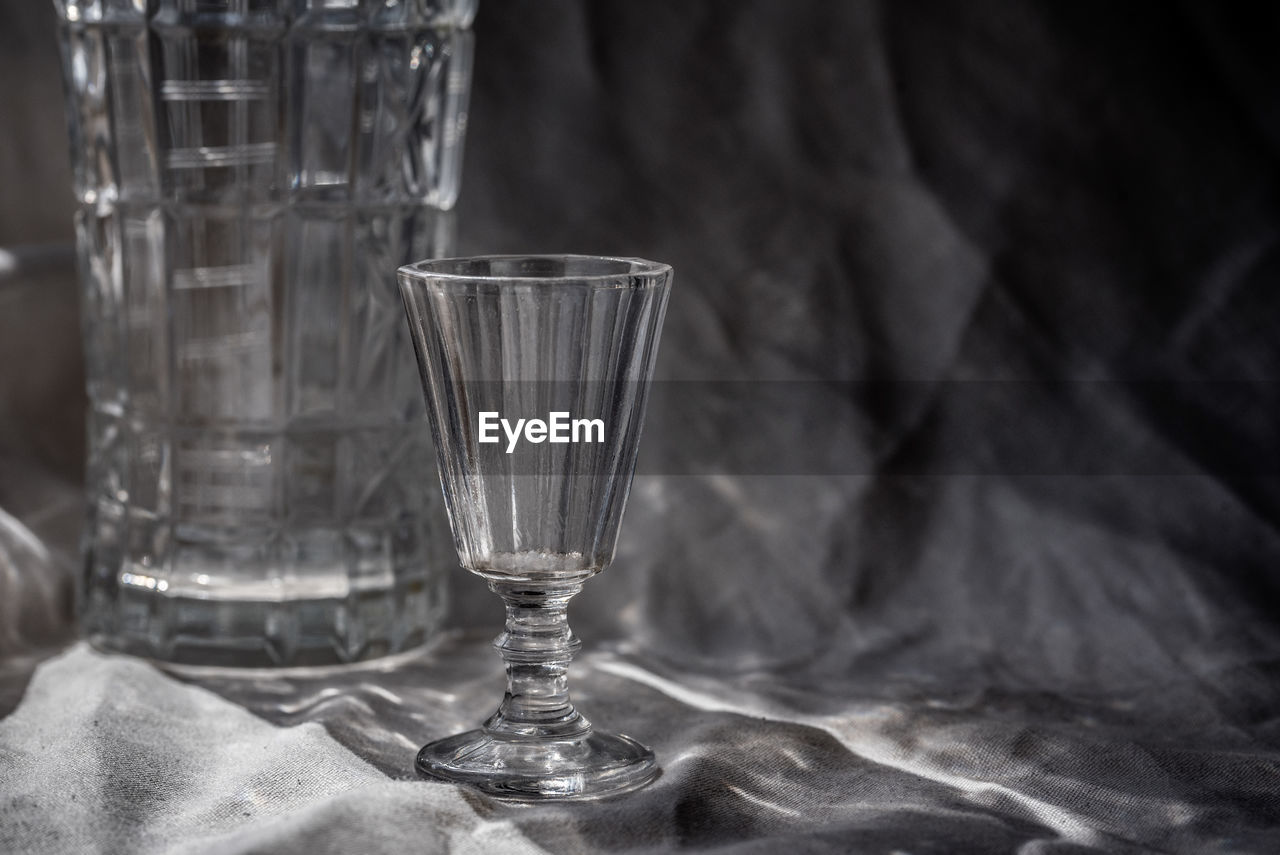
(527, 338)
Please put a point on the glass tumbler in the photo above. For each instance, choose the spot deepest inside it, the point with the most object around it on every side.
(250, 173)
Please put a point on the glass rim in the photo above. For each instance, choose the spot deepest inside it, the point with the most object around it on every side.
(448, 269)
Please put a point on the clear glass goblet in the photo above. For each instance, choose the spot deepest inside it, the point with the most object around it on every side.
(566, 344)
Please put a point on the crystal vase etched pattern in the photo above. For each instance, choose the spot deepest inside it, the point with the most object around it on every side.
(250, 173)
(567, 342)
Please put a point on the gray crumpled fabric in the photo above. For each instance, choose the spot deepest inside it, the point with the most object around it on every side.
(958, 521)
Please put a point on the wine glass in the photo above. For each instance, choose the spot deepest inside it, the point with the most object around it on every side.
(536, 370)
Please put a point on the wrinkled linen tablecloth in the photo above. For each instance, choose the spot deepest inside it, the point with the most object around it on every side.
(108, 754)
(957, 527)
(885, 738)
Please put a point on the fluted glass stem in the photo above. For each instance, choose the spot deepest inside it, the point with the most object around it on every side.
(537, 646)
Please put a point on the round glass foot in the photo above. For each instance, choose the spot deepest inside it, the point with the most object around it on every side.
(589, 767)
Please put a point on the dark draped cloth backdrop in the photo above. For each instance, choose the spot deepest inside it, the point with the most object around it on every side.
(957, 520)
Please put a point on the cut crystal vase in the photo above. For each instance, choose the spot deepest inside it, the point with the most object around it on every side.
(249, 174)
